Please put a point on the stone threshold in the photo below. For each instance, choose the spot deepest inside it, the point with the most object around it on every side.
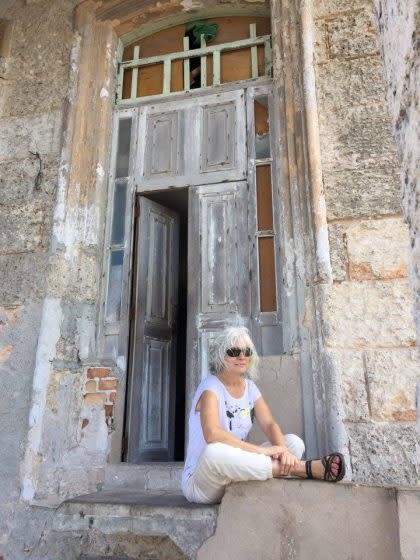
(143, 477)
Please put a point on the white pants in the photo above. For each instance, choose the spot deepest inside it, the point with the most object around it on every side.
(220, 464)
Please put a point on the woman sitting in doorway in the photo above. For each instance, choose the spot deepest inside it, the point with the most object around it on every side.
(222, 413)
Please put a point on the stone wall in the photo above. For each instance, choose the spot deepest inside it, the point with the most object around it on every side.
(368, 329)
(399, 33)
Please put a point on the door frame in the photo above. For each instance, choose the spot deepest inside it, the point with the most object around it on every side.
(256, 85)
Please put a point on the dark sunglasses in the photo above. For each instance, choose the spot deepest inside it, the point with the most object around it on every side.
(235, 351)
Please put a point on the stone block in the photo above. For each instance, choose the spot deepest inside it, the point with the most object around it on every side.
(409, 515)
(338, 250)
(368, 314)
(392, 376)
(349, 83)
(384, 453)
(321, 54)
(349, 366)
(377, 249)
(24, 227)
(372, 190)
(352, 35)
(323, 8)
(38, 67)
(17, 181)
(20, 136)
(23, 277)
(291, 520)
(360, 162)
(355, 137)
(280, 384)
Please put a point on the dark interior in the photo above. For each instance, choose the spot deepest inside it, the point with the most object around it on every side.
(177, 200)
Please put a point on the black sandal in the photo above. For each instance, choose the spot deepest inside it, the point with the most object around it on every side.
(327, 462)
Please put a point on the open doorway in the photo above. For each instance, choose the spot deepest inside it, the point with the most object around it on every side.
(155, 423)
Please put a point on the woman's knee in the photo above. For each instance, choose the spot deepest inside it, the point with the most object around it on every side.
(214, 453)
(295, 445)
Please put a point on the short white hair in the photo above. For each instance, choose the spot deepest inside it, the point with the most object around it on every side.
(228, 338)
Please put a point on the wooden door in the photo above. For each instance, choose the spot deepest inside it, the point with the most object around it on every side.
(218, 271)
(153, 375)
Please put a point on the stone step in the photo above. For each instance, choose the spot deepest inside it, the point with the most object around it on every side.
(147, 476)
(132, 524)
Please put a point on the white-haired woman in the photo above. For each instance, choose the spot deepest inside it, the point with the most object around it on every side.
(222, 413)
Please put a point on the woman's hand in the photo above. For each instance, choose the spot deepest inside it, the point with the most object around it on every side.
(274, 451)
(287, 461)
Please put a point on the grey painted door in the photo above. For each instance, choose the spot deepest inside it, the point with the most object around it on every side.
(218, 268)
(152, 392)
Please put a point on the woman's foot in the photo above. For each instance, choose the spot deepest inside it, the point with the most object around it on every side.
(331, 468)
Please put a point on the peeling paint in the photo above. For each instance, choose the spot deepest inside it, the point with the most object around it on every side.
(104, 93)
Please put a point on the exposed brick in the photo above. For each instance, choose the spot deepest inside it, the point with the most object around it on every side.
(112, 396)
(106, 384)
(90, 386)
(98, 372)
(109, 410)
(85, 422)
(95, 398)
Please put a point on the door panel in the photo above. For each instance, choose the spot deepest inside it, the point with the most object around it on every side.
(219, 295)
(194, 141)
(153, 372)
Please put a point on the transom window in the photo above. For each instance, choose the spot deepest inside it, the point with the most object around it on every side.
(203, 59)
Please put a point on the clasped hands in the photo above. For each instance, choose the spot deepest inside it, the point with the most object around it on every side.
(286, 459)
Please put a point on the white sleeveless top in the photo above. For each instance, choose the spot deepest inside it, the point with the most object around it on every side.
(235, 416)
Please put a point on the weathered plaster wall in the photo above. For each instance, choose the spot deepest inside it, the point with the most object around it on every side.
(34, 70)
(368, 329)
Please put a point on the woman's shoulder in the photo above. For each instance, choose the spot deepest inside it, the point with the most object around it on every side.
(210, 383)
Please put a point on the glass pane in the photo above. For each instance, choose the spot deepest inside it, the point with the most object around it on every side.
(264, 197)
(267, 270)
(113, 304)
(123, 150)
(118, 213)
(262, 128)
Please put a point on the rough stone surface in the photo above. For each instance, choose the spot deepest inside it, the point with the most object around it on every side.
(354, 395)
(399, 25)
(292, 519)
(392, 377)
(369, 314)
(352, 35)
(377, 249)
(17, 284)
(338, 250)
(384, 453)
(356, 143)
(329, 7)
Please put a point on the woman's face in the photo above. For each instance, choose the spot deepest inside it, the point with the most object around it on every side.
(238, 364)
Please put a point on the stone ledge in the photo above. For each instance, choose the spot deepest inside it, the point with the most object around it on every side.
(307, 519)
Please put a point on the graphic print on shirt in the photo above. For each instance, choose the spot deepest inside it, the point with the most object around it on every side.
(240, 419)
